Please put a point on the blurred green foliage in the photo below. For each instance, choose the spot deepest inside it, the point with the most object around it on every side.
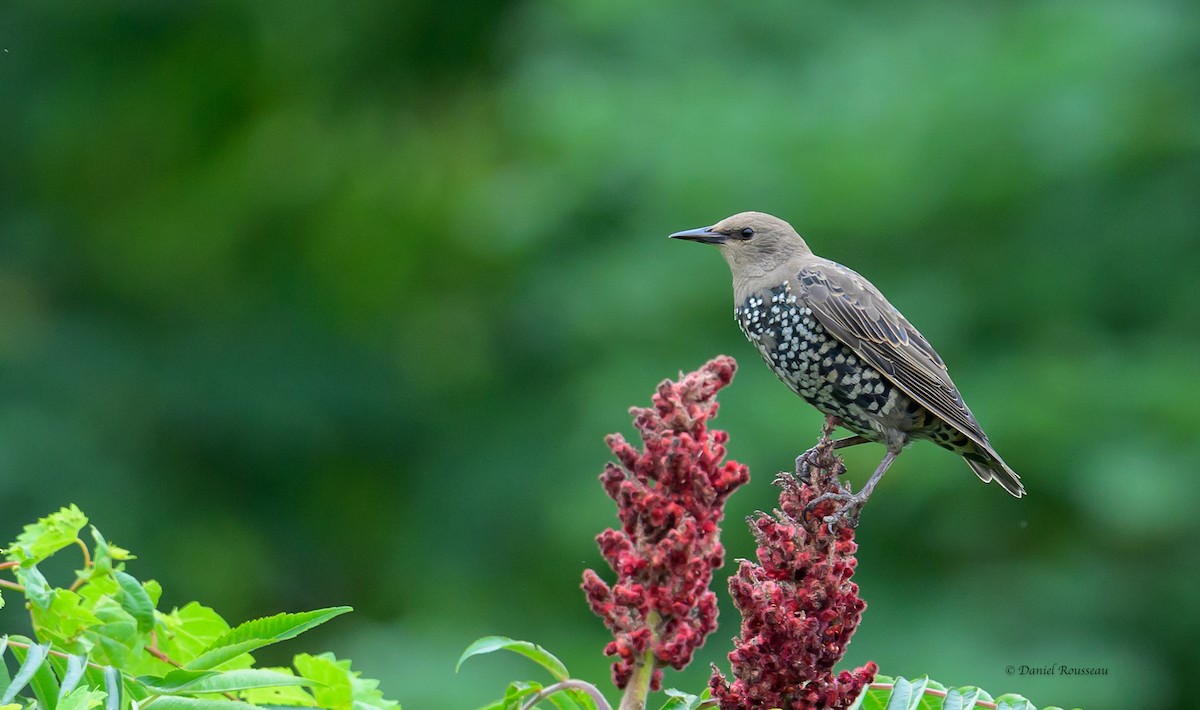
(375, 279)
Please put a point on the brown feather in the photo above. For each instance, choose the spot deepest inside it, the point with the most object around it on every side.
(856, 313)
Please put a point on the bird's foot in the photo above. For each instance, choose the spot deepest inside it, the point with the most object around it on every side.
(846, 513)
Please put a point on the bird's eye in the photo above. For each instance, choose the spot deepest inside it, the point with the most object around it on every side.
(747, 233)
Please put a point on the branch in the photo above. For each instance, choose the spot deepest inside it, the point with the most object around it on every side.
(583, 685)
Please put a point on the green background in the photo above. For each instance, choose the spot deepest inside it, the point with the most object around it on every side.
(314, 303)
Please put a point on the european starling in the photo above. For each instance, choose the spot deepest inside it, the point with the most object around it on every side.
(836, 341)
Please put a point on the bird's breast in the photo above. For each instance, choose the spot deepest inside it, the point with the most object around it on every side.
(823, 370)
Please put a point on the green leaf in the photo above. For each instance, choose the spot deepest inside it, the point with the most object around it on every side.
(175, 702)
(36, 673)
(136, 602)
(48, 535)
(679, 700)
(105, 550)
(901, 694)
(184, 682)
(1012, 701)
(186, 632)
(5, 680)
(115, 636)
(153, 590)
(518, 690)
(565, 700)
(335, 691)
(63, 619)
(544, 658)
(906, 694)
(931, 701)
(335, 675)
(293, 696)
(173, 681)
(960, 698)
(31, 659)
(72, 675)
(84, 698)
(261, 632)
(37, 589)
(112, 687)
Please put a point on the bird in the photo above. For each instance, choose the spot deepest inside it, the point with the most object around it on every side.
(832, 338)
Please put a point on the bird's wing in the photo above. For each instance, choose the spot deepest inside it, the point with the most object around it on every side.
(854, 311)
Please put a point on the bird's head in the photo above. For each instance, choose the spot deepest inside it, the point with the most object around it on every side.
(754, 243)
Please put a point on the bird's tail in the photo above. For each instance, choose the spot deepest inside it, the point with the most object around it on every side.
(988, 465)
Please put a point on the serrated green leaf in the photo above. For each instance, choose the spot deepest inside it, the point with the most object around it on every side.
(280, 697)
(261, 632)
(291, 696)
(364, 692)
(183, 682)
(175, 702)
(48, 535)
(153, 590)
(187, 631)
(81, 699)
(541, 656)
(173, 681)
(64, 619)
(37, 589)
(115, 637)
(107, 551)
(334, 692)
(135, 601)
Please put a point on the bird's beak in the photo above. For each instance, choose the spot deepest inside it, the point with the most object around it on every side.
(704, 235)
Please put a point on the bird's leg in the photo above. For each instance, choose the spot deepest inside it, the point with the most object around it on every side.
(861, 496)
(854, 502)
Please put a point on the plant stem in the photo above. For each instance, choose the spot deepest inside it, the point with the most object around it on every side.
(87, 564)
(572, 684)
(639, 684)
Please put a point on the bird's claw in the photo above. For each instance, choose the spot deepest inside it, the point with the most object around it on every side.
(847, 513)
